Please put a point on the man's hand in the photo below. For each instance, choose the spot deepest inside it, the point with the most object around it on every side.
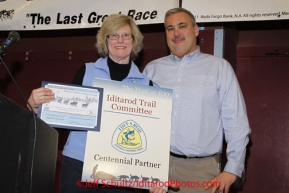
(223, 181)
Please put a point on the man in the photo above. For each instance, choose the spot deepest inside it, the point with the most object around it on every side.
(207, 105)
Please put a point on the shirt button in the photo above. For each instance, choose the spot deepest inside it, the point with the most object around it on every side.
(175, 113)
(179, 79)
(177, 96)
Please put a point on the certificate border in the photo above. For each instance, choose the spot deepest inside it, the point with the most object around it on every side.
(96, 128)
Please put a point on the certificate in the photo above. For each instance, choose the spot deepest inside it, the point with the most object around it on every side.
(133, 145)
(73, 107)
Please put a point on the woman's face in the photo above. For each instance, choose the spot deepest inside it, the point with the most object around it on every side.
(119, 49)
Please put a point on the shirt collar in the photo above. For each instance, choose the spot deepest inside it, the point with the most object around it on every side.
(191, 55)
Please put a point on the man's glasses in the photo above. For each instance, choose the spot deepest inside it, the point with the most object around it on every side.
(125, 36)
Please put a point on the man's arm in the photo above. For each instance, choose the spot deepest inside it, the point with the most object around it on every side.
(236, 128)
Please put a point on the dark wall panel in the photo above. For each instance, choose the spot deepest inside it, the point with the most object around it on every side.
(29, 74)
(264, 82)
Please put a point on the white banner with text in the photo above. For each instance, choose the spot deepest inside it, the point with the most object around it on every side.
(245, 10)
(69, 14)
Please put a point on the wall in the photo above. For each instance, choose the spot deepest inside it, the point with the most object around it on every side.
(262, 71)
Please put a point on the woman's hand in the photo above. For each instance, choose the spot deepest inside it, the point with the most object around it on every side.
(171, 184)
(157, 190)
(39, 96)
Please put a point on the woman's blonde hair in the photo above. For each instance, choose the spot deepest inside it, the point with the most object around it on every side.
(111, 25)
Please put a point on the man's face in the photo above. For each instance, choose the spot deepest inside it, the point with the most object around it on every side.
(181, 34)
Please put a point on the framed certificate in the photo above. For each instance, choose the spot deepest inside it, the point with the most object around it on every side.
(73, 107)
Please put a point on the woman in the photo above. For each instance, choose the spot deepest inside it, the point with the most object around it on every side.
(118, 43)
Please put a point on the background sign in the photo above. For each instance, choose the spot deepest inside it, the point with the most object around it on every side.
(69, 14)
(65, 14)
(245, 10)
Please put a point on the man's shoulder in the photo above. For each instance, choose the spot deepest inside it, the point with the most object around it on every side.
(159, 60)
(211, 56)
(214, 59)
